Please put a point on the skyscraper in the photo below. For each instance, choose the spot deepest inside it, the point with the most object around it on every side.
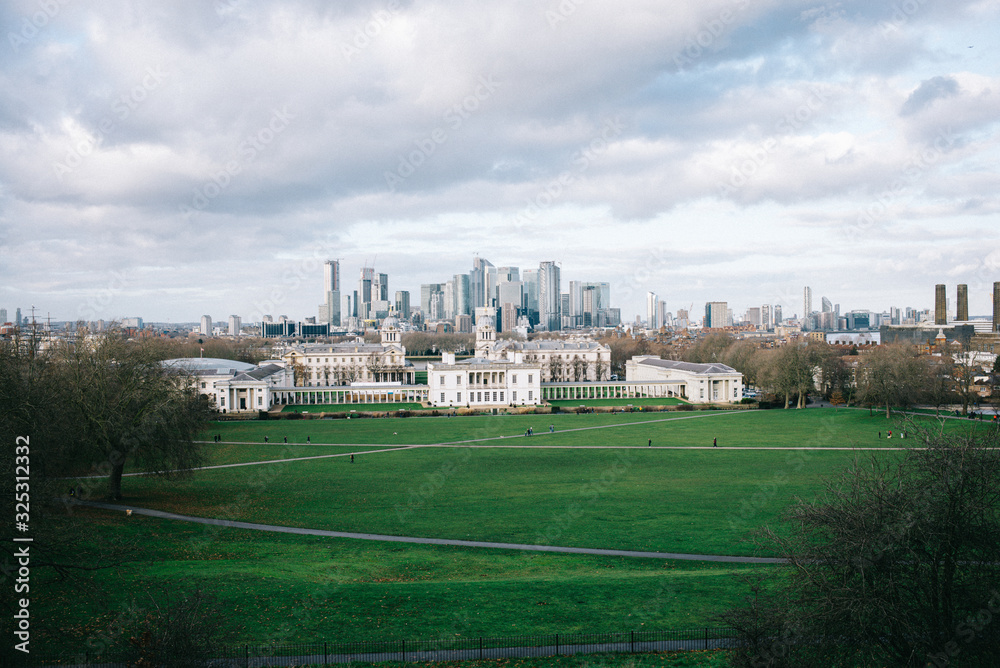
(479, 282)
(403, 304)
(963, 303)
(329, 310)
(826, 305)
(530, 279)
(206, 325)
(717, 314)
(363, 299)
(652, 305)
(807, 301)
(549, 296)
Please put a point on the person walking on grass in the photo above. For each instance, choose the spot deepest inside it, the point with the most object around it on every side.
(352, 459)
(715, 442)
(650, 444)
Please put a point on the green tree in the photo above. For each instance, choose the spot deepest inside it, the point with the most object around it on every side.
(894, 565)
(127, 407)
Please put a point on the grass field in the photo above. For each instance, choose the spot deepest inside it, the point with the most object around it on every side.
(814, 427)
(346, 408)
(297, 588)
(573, 403)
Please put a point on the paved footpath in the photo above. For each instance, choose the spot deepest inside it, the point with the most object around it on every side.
(431, 541)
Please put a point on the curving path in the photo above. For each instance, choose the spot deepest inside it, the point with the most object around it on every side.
(431, 541)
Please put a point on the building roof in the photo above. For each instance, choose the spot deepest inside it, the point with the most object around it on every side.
(208, 366)
(546, 345)
(690, 367)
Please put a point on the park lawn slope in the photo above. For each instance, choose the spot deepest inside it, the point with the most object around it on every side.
(284, 588)
(689, 501)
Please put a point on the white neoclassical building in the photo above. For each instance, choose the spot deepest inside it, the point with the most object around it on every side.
(479, 382)
(576, 360)
(233, 386)
(328, 364)
(700, 383)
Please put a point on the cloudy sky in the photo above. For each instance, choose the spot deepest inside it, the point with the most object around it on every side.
(174, 159)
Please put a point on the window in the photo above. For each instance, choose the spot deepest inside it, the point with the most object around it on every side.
(529, 395)
(494, 397)
(513, 378)
(442, 379)
(458, 379)
(203, 386)
(529, 379)
(459, 397)
(501, 396)
(513, 395)
(260, 401)
(442, 397)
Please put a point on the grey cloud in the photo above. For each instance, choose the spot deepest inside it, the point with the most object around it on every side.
(927, 92)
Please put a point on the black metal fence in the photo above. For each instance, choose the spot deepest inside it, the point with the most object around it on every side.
(252, 655)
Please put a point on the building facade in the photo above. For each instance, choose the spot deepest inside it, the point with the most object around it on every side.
(700, 383)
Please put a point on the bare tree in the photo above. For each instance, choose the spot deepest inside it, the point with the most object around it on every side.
(892, 375)
(128, 407)
(894, 565)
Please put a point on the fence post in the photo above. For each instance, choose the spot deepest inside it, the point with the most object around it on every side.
(246, 653)
(557, 644)
(706, 637)
(404, 651)
(632, 642)
(480, 648)
(325, 659)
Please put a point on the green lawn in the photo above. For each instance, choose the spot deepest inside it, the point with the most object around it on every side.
(346, 408)
(287, 589)
(573, 403)
(813, 427)
(298, 588)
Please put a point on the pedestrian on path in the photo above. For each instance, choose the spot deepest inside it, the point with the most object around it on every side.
(308, 440)
(265, 439)
(650, 444)
(715, 442)
(286, 439)
(352, 459)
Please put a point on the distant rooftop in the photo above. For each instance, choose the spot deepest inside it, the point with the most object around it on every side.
(209, 366)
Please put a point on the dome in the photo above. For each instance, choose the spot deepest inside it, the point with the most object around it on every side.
(486, 321)
(208, 365)
(391, 321)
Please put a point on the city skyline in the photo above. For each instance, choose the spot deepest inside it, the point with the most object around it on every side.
(703, 151)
